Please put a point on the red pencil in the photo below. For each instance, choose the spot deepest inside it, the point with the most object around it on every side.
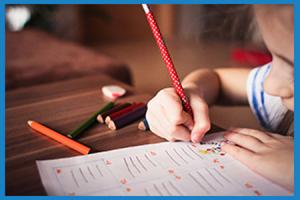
(122, 112)
(116, 108)
(128, 118)
(167, 59)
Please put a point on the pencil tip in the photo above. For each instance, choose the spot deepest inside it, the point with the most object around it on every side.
(99, 119)
(141, 126)
(29, 122)
(111, 125)
(107, 120)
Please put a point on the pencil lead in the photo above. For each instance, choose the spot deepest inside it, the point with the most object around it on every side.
(141, 126)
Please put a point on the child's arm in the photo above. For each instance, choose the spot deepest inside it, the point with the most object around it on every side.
(165, 113)
(224, 86)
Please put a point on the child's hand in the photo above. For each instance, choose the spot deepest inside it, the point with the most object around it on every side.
(167, 118)
(271, 155)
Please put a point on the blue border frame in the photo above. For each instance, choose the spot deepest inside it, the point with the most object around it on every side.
(2, 70)
(296, 72)
(148, 1)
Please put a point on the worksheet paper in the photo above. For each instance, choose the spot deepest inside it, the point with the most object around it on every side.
(163, 169)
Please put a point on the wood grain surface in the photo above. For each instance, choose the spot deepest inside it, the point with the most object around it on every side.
(60, 106)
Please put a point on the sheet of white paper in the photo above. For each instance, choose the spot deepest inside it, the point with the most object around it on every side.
(168, 168)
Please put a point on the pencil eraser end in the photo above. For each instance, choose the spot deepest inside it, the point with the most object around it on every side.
(113, 91)
(70, 136)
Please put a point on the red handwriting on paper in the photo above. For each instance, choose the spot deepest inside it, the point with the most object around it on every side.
(108, 162)
(248, 185)
(258, 193)
(123, 181)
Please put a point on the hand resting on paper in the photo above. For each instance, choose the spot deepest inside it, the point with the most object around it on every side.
(268, 154)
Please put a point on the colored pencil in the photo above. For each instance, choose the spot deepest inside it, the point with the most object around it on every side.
(128, 118)
(90, 121)
(143, 125)
(113, 116)
(167, 59)
(59, 137)
(101, 117)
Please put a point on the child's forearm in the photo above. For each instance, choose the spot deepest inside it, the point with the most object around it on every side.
(219, 86)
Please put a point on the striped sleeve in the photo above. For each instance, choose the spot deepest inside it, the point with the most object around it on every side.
(268, 110)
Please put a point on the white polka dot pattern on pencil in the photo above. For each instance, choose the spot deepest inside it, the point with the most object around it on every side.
(167, 59)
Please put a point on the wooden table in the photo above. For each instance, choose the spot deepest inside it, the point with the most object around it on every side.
(61, 106)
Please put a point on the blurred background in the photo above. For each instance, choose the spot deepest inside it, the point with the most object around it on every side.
(48, 43)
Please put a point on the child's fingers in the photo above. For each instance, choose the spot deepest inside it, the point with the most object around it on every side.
(171, 103)
(162, 127)
(151, 116)
(155, 125)
(179, 133)
(182, 118)
(172, 106)
(245, 156)
(278, 136)
(161, 134)
(246, 141)
(262, 136)
(201, 118)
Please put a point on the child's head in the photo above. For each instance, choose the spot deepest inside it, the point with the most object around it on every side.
(276, 24)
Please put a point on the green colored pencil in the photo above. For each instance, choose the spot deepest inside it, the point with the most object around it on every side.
(90, 121)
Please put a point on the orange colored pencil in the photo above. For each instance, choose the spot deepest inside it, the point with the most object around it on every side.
(59, 137)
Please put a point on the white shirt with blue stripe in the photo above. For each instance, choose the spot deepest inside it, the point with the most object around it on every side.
(269, 110)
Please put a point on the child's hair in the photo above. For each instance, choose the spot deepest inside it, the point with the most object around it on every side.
(230, 22)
